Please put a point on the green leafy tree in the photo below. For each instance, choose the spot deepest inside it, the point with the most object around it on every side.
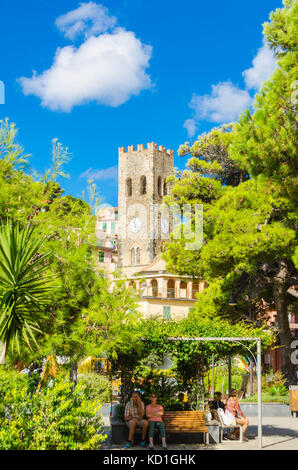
(209, 156)
(265, 141)
(250, 242)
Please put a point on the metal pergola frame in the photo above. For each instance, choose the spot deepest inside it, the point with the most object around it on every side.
(258, 368)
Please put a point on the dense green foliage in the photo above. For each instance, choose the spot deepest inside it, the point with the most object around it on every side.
(82, 315)
(58, 418)
(250, 227)
(24, 286)
(96, 387)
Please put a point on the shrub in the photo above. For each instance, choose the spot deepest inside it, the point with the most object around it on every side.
(57, 418)
(96, 387)
(274, 383)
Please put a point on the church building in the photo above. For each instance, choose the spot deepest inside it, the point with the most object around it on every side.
(144, 225)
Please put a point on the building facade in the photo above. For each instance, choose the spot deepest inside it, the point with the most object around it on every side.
(143, 224)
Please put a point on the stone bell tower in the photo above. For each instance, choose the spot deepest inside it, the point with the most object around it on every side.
(143, 224)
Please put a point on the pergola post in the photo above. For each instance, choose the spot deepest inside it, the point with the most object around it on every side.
(259, 372)
(229, 375)
(213, 390)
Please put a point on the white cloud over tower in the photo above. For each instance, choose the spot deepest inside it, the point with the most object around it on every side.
(108, 67)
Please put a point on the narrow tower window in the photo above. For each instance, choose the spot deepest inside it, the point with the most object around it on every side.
(159, 186)
(143, 185)
(129, 187)
(165, 191)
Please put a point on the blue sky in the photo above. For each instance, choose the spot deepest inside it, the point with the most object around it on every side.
(123, 72)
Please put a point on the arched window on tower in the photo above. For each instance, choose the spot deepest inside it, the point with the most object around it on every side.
(135, 255)
(143, 185)
(165, 190)
(159, 186)
(129, 187)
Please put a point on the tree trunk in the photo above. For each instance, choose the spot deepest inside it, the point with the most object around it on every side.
(282, 319)
(3, 354)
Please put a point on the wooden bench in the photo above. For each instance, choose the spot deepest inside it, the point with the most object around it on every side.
(186, 422)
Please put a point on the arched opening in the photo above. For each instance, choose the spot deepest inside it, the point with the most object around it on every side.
(183, 289)
(143, 185)
(159, 186)
(129, 187)
(138, 255)
(143, 289)
(195, 289)
(165, 189)
(171, 289)
(154, 288)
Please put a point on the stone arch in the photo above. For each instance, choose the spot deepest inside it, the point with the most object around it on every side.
(154, 288)
(135, 255)
(195, 289)
(183, 289)
(171, 289)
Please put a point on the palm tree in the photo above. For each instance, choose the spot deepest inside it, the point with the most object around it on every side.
(24, 286)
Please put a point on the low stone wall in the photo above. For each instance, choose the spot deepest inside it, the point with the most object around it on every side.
(268, 409)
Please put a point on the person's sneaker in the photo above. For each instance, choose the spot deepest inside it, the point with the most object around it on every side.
(151, 446)
(127, 445)
(143, 444)
(164, 445)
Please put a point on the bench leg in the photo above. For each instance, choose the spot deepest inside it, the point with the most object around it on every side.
(240, 435)
(206, 437)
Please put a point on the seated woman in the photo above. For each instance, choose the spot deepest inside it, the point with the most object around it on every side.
(233, 406)
(154, 413)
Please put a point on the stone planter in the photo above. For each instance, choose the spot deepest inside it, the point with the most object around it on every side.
(268, 409)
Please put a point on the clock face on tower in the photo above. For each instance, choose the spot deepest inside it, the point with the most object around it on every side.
(135, 225)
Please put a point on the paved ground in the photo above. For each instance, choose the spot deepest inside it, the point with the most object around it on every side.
(278, 434)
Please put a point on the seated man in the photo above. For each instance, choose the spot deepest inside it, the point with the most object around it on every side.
(216, 403)
(134, 416)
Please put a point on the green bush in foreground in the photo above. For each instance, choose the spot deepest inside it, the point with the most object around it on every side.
(96, 387)
(55, 419)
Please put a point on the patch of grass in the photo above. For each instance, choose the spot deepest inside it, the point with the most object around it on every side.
(266, 398)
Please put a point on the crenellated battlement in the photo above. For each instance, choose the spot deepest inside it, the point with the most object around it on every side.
(150, 146)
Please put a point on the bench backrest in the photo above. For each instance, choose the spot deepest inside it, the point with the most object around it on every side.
(188, 421)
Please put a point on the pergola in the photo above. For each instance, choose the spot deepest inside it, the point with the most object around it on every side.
(258, 368)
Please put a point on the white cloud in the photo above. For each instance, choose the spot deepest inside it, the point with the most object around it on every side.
(190, 126)
(225, 103)
(264, 64)
(108, 69)
(110, 173)
(88, 19)
(226, 100)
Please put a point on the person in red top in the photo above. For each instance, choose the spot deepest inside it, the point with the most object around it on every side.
(154, 413)
(233, 407)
